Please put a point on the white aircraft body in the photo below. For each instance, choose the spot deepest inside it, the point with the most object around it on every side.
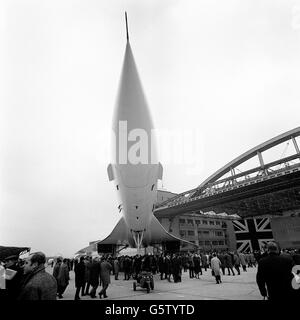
(134, 168)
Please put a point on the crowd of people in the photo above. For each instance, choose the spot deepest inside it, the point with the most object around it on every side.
(31, 281)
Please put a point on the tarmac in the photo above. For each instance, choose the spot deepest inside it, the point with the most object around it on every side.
(238, 287)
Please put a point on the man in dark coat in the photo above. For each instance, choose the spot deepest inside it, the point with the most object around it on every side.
(176, 268)
(127, 267)
(274, 275)
(197, 267)
(185, 262)
(88, 264)
(137, 265)
(160, 263)
(222, 260)
(116, 268)
(204, 261)
(191, 266)
(153, 263)
(62, 278)
(37, 284)
(94, 276)
(71, 264)
(56, 267)
(236, 262)
(105, 269)
(228, 263)
(79, 277)
(146, 263)
(168, 267)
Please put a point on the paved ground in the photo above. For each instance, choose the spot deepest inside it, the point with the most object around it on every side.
(236, 287)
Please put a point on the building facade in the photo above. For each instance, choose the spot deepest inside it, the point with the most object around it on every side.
(208, 231)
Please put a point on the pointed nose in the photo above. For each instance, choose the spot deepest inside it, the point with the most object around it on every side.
(131, 105)
(132, 123)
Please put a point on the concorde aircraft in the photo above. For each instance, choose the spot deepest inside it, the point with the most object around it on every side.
(134, 168)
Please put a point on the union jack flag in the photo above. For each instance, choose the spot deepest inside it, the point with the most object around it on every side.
(252, 234)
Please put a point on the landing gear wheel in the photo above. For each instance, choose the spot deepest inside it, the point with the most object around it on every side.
(152, 286)
(148, 288)
(134, 286)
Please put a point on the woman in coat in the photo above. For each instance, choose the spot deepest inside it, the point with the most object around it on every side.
(215, 268)
(105, 269)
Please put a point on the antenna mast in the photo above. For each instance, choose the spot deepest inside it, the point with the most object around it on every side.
(126, 26)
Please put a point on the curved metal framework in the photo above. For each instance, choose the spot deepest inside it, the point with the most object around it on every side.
(214, 185)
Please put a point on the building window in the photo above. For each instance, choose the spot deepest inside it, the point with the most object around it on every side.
(215, 243)
(182, 221)
(201, 243)
(200, 233)
(221, 243)
(219, 233)
(205, 233)
(198, 222)
(212, 223)
(204, 222)
(191, 233)
(190, 221)
(182, 233)
(218, 223)
(207, 243)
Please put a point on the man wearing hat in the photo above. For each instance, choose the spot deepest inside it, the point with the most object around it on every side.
(13, 284)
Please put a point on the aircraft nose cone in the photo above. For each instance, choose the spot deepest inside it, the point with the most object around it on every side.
(132, 123)
(131, 105)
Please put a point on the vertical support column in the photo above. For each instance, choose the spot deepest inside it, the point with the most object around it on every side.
(232, 171)
(170, 224)
(232, 174)
(296, 145)
(261, 161)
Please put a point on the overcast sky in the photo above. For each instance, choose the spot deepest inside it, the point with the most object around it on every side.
(222, 74)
